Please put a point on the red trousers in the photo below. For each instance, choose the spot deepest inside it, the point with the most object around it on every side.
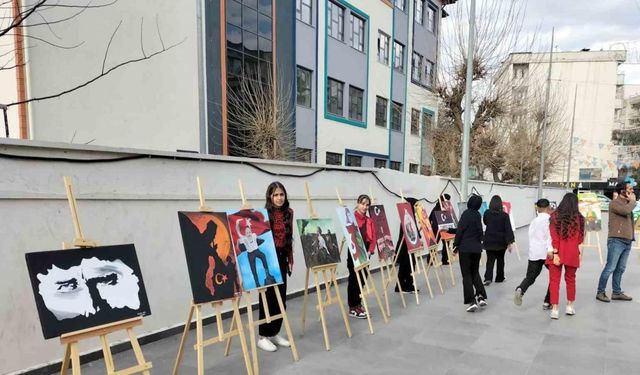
(555, 273)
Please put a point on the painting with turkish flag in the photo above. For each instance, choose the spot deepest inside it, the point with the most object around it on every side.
(211, 260)
(255, 249)
(506, 206)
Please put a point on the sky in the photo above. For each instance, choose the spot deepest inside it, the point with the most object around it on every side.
(594, 24)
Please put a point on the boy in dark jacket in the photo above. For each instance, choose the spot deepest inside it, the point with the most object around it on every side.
(468, 243)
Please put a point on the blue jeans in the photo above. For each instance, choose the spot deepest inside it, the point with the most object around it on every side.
(617, 253)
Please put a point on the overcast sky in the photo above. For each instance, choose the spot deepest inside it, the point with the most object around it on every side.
(594, 24)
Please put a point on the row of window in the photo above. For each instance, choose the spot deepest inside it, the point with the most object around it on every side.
(335, 26)
(335, 94)
(422, 70)
(334, 158)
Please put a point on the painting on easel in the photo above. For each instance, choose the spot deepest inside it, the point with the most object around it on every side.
(352, 236)
(589, 206)
(77, 289)
(384, 242)
(448, 206)
(254, 248)
(422, 217)
(411, 235)
(445, 220)
(319, 242)
(211, 260)
(507, 208)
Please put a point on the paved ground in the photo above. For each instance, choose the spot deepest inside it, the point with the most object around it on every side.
(439, 337)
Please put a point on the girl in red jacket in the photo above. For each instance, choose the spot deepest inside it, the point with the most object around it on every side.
(567, 233)
(366, 230)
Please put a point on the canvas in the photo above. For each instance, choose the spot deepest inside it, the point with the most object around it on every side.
(352, 236)
(422, 218)
(407, 220)
(589, 206)
(448, 206)
(636, 216)
(77, 289)
(384, 242)
(254, 247)
(211, 260)
(506, 207)
(444, 220)
(319, 242)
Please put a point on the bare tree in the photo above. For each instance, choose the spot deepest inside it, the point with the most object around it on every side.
(261, 117)
(36, 20)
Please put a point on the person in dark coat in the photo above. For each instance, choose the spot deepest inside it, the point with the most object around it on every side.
(468, 243)
(403, 260)
(434, 225)
(498, 236)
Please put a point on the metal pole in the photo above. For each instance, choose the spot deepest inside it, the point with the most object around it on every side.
(6, 120)
(573, 121)
(545, 120)
(464, 169)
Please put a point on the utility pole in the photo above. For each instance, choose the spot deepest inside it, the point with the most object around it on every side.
(545, 120)
(464, 170)
(6, 121)
(573, 121)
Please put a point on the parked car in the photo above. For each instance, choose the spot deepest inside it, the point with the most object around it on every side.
(604, 202)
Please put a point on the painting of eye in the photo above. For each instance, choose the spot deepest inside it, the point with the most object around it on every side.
(67, 286)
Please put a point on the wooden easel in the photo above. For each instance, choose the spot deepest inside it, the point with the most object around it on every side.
(389, 274)
(201, 343)
(268, 316)
(329, 280)
(597, 245)
(71, 340)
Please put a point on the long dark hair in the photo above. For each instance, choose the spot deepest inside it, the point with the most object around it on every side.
(567, 220)
(495, 204)
(288, 213)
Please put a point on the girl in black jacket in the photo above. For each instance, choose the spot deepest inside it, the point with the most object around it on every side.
(498, 236)
(468, 243)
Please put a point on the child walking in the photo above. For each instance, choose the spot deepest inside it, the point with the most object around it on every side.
(281, 220)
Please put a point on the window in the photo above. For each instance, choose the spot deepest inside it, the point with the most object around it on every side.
(398, 59)
(413, 168)
(379, 163)
(303, 11)
(520, 71)
(334, 96)
(357, 32)
(303, 155)
(399, 4)
(415, 121)
(303, 82)
(334, 158)
(356, 97)
(418, 15)
(428, 73)
(519, 95)
(416, 67)
(395, 165)
(336, 21)
(427, 123)
(381, 111)
(383, 48)
(354, 161)
(396, 116)
(431, 19)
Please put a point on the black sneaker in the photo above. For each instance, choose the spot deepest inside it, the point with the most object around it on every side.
(472, 307)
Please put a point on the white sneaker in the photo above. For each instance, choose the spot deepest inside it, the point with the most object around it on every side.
(570, 310)
(555, 314)
(266, 345)
(280, 341)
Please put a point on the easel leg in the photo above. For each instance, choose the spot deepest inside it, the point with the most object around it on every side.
(137, 351)
(517, 250)
(384, 276)
(227, 348)
(321, 311)
(106, 352)
(75, 359)
(413, 276)
(599, 248)
(243, 341)
(199, 340)
(397, 282)
(363, 296)
(334, 280)
(433, 263)
(183, 340)
(252, 334)
(369, 281)
(287, 327)
(65, 360)
(304, 302)
(447, 246)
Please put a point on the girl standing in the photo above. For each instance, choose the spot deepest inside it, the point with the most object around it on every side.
(567, 233)
(281, 220)
(498, 236)
(366, 230)
(468, 243)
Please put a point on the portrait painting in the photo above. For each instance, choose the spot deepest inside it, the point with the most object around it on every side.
(409, 227)
(384, 242)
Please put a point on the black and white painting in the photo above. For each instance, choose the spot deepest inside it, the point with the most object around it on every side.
(82, 288)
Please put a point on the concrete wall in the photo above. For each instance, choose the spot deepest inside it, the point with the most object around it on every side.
(8, 87)
(136, 201)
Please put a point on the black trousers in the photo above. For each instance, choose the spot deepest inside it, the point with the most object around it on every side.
(492, 257)
(404, 270)
(534, 267)
(445, 255)
(353, 289)
(253, 257)
(272, 329)
(471, 281)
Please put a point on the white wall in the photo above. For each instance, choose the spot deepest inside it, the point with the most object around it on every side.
(136, 201)
(151, 104)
